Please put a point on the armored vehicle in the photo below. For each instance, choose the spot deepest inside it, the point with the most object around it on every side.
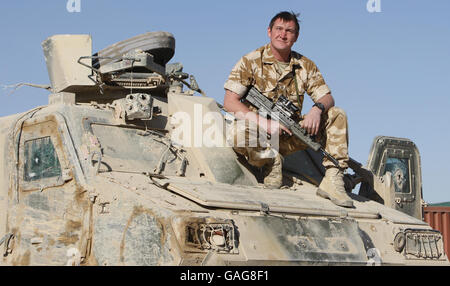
(112, 172)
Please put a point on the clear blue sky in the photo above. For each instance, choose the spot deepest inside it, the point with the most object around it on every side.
(390, 70)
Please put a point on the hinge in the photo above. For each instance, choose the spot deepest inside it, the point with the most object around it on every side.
(264, 210)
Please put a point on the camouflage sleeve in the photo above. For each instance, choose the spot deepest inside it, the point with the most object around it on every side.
(315, 85)
(240, 78)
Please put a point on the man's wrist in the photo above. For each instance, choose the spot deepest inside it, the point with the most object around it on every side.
(320, 106)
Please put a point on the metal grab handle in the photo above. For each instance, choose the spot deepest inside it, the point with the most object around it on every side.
(99, 161)
(6, 239)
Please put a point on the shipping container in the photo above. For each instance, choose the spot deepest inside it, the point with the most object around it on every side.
(438, 217)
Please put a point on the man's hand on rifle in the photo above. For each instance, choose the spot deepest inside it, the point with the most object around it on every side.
(233, 104)
(311, 121)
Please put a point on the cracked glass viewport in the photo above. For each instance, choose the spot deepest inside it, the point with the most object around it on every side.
(41, 160)
(399, 168)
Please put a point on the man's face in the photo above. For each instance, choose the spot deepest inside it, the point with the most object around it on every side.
(283, 35)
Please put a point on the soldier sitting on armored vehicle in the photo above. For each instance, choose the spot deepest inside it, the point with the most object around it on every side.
(109, 174)
(275, 70)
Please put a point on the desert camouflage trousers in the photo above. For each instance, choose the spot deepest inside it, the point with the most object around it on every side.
(333, 136)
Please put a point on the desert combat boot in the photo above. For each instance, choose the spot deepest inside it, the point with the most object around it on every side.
(332, 187)
(273, 174)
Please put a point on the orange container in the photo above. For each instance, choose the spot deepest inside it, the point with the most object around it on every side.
(439, 219)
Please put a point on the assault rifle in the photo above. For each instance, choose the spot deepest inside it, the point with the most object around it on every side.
(286, 113)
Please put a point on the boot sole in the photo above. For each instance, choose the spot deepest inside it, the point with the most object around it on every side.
(323, 194)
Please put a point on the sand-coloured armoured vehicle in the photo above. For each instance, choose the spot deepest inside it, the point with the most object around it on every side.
(99, 177)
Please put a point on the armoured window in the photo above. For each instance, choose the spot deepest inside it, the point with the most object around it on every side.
(41, 160)
(399, 168)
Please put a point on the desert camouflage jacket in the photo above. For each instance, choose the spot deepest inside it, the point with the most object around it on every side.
(260, 69)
